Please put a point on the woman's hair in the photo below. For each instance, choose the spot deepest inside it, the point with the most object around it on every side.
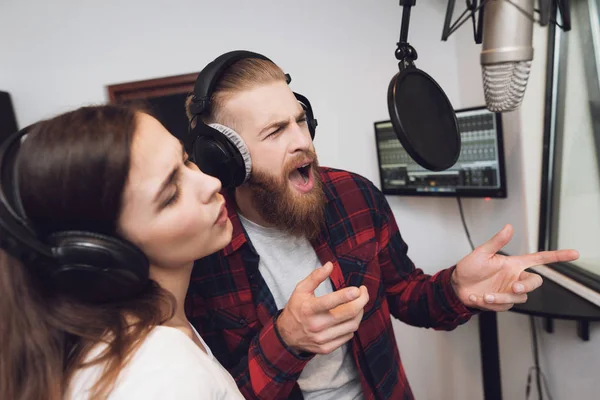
(72, 173)
(242, 75)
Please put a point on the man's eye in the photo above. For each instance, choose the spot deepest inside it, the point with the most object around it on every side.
(275, 132)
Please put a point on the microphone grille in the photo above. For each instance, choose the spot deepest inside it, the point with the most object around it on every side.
(504, 84)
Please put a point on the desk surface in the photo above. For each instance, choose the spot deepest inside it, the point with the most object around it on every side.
(554, 301)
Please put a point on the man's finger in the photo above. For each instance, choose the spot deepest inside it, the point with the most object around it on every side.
(315, 278)
(549, 257)
(332, 300)
(479, 302)
(333, 345)
(527, 282)
(349, 310)
(504, 298)
(340, 330)
(499, 240)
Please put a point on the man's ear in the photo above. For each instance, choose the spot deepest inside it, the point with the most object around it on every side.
(188, 112)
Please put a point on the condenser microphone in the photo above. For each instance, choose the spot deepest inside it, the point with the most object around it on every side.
(507, 52)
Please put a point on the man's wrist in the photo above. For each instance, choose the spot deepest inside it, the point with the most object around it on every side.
(454, 282)
(277, 358)
(282, 332)
(283, 337)
(455, 286)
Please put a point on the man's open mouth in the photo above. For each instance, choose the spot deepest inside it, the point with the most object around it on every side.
(301, 176)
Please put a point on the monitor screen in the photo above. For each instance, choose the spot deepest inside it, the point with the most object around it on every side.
(479, 171)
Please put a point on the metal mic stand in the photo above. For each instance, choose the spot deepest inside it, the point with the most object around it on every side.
(488, 325)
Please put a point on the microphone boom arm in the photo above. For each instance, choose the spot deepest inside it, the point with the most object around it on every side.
(405, 53)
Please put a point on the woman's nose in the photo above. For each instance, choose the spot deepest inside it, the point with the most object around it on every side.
(207, 186)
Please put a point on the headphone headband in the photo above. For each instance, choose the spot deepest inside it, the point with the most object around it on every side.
(15, 234)
(209, 77)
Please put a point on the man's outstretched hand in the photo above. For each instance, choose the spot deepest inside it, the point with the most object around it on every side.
(490, 281)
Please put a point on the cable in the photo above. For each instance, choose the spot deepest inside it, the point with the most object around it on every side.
(536, 367)
(536, 359)
(545, 381)
(462, 217)
(546, 386)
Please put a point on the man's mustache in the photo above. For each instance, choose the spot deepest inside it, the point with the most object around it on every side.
(293, 163)
(257, 178)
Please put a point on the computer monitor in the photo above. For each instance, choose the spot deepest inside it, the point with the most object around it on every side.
(479, 171)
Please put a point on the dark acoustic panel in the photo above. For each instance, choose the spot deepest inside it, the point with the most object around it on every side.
(8, 121)
(164, 96)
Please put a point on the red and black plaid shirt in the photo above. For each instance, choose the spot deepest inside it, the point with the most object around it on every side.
(231, 306)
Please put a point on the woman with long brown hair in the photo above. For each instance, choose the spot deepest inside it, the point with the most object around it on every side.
(92, 303)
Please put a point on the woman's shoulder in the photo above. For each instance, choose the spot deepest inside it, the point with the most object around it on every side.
(166, 343)
(168, 364)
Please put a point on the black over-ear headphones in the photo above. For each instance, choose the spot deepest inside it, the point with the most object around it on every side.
(218, 150)
(87, 265)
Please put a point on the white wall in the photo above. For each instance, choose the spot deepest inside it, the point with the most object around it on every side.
(61, 54)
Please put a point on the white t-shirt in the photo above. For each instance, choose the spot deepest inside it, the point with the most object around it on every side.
(167, 365)
(285, 260)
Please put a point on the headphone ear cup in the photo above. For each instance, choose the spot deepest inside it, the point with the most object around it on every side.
(220, 152)
(90, 266)
(310, 117)
(95, 267)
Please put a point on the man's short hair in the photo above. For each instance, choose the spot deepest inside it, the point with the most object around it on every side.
(242, 75)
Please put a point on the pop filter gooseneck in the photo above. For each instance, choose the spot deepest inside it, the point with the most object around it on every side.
(421, 114)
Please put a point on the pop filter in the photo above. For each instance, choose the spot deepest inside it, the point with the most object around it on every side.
(421, 113)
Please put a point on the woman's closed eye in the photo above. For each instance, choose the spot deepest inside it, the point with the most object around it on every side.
(175, 196)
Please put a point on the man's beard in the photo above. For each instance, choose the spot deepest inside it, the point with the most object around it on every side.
(279, 205)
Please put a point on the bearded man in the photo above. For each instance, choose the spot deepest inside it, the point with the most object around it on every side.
(299, 304)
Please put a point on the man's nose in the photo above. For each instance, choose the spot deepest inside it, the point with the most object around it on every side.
(301, 138)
